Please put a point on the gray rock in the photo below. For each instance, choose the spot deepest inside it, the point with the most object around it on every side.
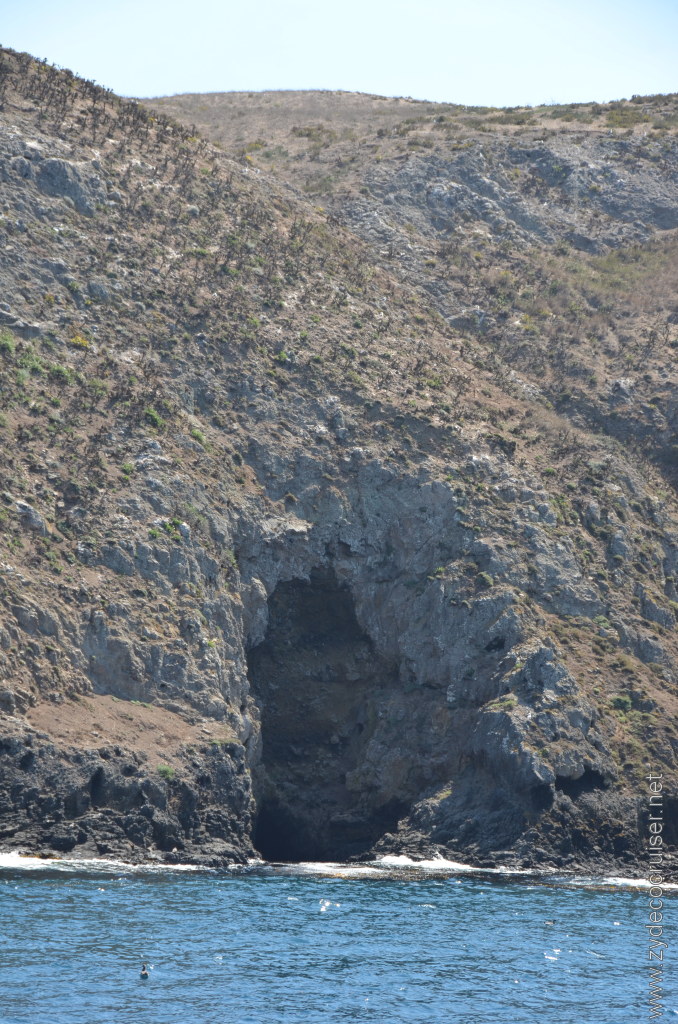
(31, 518)
(22, 167)
(116, 559)
(7, 701)
(652, 611)
(72, 181)
(98, 290)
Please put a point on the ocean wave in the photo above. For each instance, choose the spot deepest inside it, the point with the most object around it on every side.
(399, 865)
(400, 860)
(441, 864)
(14, 861)
(388, 866)
(619, 881)
(327, 869)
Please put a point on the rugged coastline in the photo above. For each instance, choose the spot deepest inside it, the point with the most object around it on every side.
(294, 563)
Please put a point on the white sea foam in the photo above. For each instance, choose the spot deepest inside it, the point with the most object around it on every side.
(395, 863)
(627, 883)
(440, 864)
(335, 870)
(436, 864)
(382, 867)
(24, 862)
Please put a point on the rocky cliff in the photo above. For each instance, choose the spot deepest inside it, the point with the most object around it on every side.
(293, 559)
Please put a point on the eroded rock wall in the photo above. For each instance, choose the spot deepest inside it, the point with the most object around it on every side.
(284, 560)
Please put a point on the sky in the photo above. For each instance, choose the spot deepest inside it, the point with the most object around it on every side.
(491, 53)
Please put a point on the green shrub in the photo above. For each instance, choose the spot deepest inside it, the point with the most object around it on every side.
(171, 528)
(61, 374)
(153, 417)
(97, 387)
(506, 702)
(166, 772)
(622, 702)
(7, 345)
(31, 362)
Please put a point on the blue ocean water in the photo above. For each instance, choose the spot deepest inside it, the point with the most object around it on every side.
(316, 945)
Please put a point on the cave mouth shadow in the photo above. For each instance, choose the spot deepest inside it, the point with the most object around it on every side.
(279, 837)
(590, 781)
(320, 687)
(282, 837)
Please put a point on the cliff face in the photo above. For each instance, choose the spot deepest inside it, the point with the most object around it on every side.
(290, 562)
(545, 234)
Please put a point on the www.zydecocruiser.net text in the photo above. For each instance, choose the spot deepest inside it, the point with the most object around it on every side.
(658, 947)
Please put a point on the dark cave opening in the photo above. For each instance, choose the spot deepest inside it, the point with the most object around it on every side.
(96, 787)
(541, 797)
(320, 686)
(279, 836)
(586, 783)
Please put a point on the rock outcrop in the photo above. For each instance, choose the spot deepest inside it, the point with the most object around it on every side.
(284, 569)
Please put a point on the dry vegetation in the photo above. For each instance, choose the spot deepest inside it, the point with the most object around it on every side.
(313, 137)
(197, 289)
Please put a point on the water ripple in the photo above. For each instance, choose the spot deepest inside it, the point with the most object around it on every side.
(271, 946)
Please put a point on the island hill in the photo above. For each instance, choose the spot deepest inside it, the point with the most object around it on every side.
(339, 466)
